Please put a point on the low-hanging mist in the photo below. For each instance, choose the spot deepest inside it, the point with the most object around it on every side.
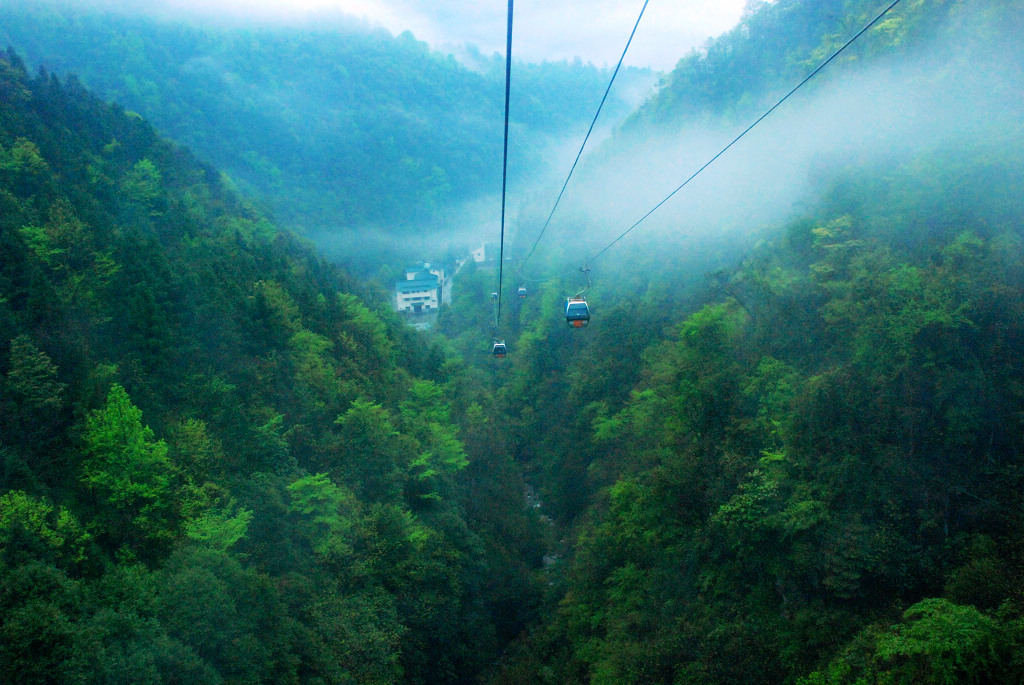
(944, 97)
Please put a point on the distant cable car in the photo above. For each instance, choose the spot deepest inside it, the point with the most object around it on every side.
(499, 349)
(522, 291)
(577, 313)
(494, 296)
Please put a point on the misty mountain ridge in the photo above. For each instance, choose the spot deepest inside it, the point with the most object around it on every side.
(923, 80)
(334, 127)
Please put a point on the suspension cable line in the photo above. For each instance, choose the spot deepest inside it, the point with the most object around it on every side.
(504, 167)
(751, 127)
(551, 278)
(585, 139)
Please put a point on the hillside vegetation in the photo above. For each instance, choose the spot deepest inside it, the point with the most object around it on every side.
(217, 463)
(799, 461)
(805, 468)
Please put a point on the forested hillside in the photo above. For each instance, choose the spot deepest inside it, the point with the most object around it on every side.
(804, 467)
(784, 451)
(336, 126)
(781, 41)
(217, 462)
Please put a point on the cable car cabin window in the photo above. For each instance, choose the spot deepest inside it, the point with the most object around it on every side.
(499, 350)
(577, 313)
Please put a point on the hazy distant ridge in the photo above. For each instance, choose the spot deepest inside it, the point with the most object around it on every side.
(336, 127)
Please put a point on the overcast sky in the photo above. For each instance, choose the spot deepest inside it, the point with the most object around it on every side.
(593, 30)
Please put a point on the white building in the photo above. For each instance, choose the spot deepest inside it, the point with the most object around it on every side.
(479, 255)
(421, 289)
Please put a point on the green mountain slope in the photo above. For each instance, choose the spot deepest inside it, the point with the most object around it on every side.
(805, 467)
(217, 463)
(220, 465)
(780, 42)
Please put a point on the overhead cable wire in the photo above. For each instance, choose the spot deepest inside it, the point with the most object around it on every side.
(585, 139)
(751, 127)
(551, 278)
(504, 166)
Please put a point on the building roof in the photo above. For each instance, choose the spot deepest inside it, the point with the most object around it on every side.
(423, 281)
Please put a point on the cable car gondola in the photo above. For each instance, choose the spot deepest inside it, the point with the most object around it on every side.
(522, 291)
(577, 313)
(499, 349)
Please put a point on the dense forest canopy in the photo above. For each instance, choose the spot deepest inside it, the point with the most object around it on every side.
(787, 448)
(813, 477)
(217, 463)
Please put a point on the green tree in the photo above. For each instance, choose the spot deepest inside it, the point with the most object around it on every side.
(326, 511)
(231, 617)
(941, 643)
(363, 634)
(426, 416)
(220, 526)
(39, 610)
(316, 379)
(142, 186)
(37, 401)
(129, 472)
(32, 529)
(368, 454)
(79, 272)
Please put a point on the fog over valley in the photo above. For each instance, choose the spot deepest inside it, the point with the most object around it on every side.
(876, 118)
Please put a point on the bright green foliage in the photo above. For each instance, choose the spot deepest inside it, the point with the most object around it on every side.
(942, 643)
(129, 471)
(773, 385)
(31, 529)
(277, 309)
(315, 374)
(141, 185)
(81, 274)
(369, 455)
(937, 643)
(23, 157)
(194, 450)
(221, 527)
(830, 433)
(425, 416)
(364, 333)
(325, 510)
(744, 478)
